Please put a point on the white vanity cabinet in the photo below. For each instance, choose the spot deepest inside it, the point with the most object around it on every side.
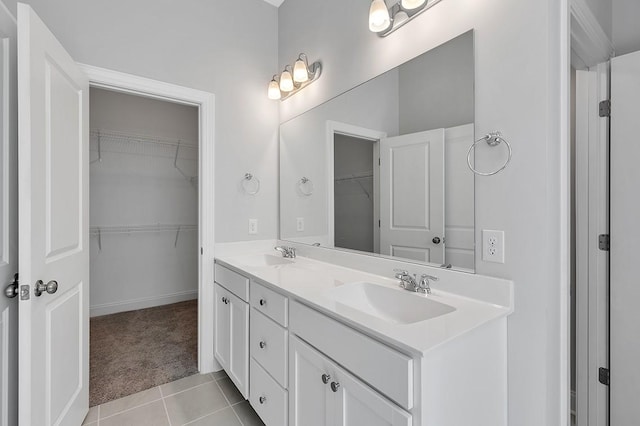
(324, 394)
(231, 342)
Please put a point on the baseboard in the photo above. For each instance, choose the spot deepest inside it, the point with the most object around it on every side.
(147, 302)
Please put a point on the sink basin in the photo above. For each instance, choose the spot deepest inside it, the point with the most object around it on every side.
(389, 304)
(257, 260)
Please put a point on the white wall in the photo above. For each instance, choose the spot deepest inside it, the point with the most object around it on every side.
(518, 65)
(626, 32)
(436, 90)
(137, 184)
(227, 47)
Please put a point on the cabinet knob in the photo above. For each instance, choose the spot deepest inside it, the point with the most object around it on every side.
(225, 300)
(262, 344)
(263, 302)
(326, 378)
(262, 399)
(335, 386)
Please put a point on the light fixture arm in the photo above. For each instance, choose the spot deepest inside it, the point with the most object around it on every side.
(410, 13)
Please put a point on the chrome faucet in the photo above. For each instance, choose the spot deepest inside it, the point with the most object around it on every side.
(288, 252)
(411, 283)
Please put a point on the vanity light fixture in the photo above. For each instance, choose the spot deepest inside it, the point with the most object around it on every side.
(383, 19)
(293, 79)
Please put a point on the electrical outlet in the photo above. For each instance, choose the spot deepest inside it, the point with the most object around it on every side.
(300, 224)
(493, 246)
(253, 226)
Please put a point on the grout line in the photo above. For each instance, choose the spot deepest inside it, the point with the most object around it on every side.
(228, 403)
(188, 389)
(131, 408)
(165, 406)
(207, 415)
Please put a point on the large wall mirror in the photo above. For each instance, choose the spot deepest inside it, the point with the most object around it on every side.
(382, 168)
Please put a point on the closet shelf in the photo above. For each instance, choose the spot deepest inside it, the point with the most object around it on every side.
(98, 231)
(355, 176)
(135, 144)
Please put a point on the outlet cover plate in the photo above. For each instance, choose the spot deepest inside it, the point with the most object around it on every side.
(493, 246)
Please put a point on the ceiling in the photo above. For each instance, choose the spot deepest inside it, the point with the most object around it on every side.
(276, 3)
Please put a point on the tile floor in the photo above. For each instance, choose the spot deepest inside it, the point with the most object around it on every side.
(198, 400)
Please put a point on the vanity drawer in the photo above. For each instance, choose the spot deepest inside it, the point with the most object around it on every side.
(268, 345)
(385, 369)
(232, 281)
(270, 303)
(267, 398)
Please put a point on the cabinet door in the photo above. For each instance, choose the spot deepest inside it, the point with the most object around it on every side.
(238, 331)
(310, 399)
(222, 326)
(357, 404)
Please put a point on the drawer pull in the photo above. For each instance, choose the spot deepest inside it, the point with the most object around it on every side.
(263, 302)
(335, 386)
(262, 344)
(262, 399)
(326, 378)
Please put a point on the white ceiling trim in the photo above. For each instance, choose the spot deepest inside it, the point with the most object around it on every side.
(276, 3)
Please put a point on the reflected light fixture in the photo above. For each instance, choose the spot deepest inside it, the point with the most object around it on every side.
(293, 79)
(383, 19)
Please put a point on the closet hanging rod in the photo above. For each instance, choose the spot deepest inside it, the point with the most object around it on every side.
(115, 136)
(355, 176)
(133, 229)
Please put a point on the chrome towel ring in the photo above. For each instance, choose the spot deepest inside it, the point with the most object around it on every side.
(305, 186)
(493, 139)
(250, 184)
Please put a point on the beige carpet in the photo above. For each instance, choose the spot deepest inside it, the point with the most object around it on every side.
(138, 350)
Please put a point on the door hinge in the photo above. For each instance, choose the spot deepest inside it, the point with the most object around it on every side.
(604, 242)
(378, 224)
(379, 162)
(603, 376)
(604, 108)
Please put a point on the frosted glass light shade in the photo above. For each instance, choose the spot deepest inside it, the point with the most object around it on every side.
(412, 4)
(286, 82)
(379, 19)
(274, 90)
(300, 74)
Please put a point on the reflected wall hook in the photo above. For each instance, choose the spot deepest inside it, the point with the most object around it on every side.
(250, 184)
(492, 139)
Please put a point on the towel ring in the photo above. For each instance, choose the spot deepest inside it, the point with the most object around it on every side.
(303, 183)
(246, 182)
(492, 139)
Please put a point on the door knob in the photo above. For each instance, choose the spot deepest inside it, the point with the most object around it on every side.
(436, 240)
(51, 287)
(335, 386)
(11, 290)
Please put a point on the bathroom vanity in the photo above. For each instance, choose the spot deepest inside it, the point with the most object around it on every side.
(314, 343)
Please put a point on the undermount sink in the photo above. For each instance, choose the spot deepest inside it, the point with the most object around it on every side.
(257, 260)
(391, 305)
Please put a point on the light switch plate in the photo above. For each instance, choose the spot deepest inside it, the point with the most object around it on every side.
(492, 246)
(300, 224)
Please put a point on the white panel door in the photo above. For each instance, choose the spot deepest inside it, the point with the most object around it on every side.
(625, 234)
(222, 326)
(310, 401)
(53, 161)
(239, 344)
(8, 220)
(412, 196)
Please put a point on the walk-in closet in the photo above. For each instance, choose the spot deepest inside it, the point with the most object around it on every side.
(144, 243)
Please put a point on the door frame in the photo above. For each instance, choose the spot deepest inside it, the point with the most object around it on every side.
(205, 102)
(590, 49)
(337, 127)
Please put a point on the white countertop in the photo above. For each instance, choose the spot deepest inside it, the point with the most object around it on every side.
(308, 280)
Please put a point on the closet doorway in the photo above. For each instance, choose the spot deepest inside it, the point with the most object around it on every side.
(144, 243)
